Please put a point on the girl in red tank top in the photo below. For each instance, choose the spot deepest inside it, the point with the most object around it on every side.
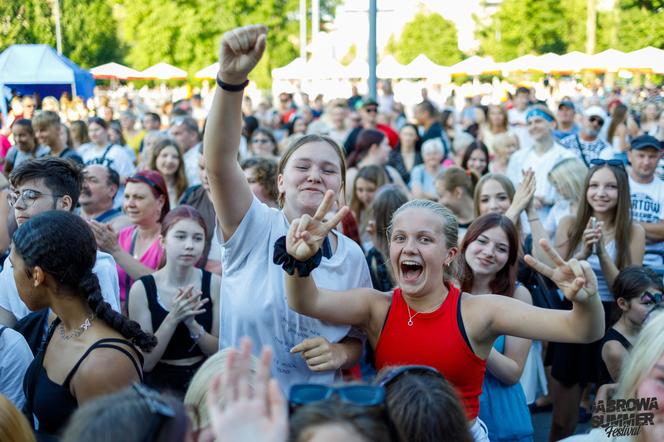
(428, 321)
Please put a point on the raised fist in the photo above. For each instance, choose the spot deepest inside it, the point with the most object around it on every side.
(241, 49)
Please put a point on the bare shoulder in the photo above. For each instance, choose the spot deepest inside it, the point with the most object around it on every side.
(106, 370)
(523, 294)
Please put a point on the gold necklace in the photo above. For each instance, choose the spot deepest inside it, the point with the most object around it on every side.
(79, 331)
(410, 317)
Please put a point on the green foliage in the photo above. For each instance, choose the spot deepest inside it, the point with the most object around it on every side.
(520, 27)
(89, 35)
(429, 34)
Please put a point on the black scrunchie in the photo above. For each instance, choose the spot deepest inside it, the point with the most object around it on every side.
(289, 263)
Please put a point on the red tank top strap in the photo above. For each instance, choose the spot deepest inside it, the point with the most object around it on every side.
(436, 339)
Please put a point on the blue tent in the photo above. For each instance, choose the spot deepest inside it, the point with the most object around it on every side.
(38, 68)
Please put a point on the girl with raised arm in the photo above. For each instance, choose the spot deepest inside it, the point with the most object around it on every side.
(253, 302)
(427, 318)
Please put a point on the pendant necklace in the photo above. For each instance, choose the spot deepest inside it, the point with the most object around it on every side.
(410, 317)
(79, 331)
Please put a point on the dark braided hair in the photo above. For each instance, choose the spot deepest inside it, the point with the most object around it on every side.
(63, 245)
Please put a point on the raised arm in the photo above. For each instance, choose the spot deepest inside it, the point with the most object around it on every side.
(241, 49)
(305, 238)
(583, 324)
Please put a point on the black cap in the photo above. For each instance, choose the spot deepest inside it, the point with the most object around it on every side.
(645, 141)
(566, 103)
(369, 102)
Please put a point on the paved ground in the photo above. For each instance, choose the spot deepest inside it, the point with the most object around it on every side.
(542, 424)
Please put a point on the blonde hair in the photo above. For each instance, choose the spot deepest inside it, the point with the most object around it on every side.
(196, 396)
(13, 425)
(501, 139)
(569, 175)
(450, 226)
(647, 350)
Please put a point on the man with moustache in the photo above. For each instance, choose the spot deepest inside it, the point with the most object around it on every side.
(586, 144)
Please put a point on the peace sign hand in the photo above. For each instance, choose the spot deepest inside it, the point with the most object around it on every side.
(574, 278)
(241, 49)
(306, 234)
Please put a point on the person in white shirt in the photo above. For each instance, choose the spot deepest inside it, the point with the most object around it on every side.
(185, 132)
(253, 299)
(517, 116)
(541, 156)
(101, 151)
(38, 186)
(587, 144)
(647, 194)
(15, 357)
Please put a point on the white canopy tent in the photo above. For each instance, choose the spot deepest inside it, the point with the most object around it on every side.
(423, 67)
(114, 71)
(163, 71)
(209, 72)
(389, 67)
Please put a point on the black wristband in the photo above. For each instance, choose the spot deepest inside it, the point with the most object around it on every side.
(232, 87)
(289, 263)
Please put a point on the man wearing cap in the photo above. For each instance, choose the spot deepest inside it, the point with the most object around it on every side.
(565, 118)
(647, 194)
(586, 144)
(369, 114)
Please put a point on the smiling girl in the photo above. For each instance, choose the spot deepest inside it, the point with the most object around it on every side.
(427, 318)
(167, 160)
(179, 303)
(255, 302)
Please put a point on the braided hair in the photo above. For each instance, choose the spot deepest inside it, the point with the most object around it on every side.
(63, 245)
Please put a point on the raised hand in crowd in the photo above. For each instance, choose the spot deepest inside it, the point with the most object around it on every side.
(523, 197)
(241, 413)
(241, 50)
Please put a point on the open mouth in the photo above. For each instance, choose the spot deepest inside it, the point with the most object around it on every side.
(411, 270)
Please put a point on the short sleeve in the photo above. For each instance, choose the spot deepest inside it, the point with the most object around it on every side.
(17, 358)
(253, 229)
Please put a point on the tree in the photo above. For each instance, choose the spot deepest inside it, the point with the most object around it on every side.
(521, 27)
(187, 32)
(89, 33)
(429, 34)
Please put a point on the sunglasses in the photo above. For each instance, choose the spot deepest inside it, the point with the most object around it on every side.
(651, 298)
(371, 110)
(596, 120)
(396, 372)
(361, 395)
(159, 410)
(600, 162)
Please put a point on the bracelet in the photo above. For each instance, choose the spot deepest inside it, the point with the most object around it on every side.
(289, 263)
(196, 337)
(232, 87)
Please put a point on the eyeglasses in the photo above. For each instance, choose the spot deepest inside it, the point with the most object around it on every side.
(651, 298)
(600, 162)
(394, 373)
(362, 395)
(371, 110)
(28, 196)
(158, 408)
(595, 119)
(261, 141)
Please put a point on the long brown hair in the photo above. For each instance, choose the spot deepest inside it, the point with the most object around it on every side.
(373, 174)
(180, 177)
(618, 116)
(622, 220)
(504, 282)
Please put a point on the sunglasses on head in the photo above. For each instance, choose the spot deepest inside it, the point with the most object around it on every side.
(396, 372)
(600, 162)
(651, 298)
(360, 395)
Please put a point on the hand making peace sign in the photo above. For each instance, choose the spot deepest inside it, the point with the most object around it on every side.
(574, 278)
(306, 234)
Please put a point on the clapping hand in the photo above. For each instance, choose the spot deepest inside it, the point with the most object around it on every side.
(240, 412)
(187, 304)
(241, 49)
(106, 237)
(574, 278)
(523, 197)
(306, 234)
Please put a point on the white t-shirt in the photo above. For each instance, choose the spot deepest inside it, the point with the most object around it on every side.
(253, 298)
(191, 165)
(541, 165)
(15, 357)
(648, 206)
(104, 269)
(116, 157)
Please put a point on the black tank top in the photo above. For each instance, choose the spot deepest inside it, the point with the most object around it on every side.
(611, 335)
(52, 404)
(181, 346)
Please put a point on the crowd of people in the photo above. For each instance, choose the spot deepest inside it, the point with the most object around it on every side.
(330, 271)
